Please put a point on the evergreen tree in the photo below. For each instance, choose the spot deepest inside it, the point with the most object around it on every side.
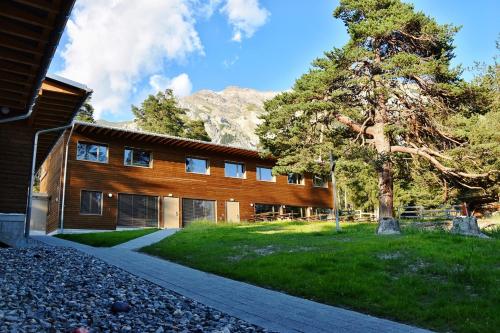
(86, 112)
(195, 129)
(387, 95)
(160, 114)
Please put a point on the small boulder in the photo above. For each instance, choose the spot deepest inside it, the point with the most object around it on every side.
(120, 307)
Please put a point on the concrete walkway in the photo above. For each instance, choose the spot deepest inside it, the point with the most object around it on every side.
(146, 240)
(269, 309)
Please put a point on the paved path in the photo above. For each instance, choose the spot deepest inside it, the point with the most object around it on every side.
(146, 240)
(269, 309)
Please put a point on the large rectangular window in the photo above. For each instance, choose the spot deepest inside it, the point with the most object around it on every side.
(295, 178)
(91, 202)
(266, 208)
(197, 210)
(93, 152)
(265, 174)
(294, 211)
(320, 181)
(197, 165)
(137, 157)
(234, 170)
(137, 210)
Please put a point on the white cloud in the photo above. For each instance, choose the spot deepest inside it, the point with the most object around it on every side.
(114, 44)
(181, 84)
(246, 16)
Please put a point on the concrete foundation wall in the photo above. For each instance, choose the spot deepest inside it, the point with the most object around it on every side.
(12, 229)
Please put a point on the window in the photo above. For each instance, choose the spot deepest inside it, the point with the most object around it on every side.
(197, 165)
(265, 174)
(197, 210)
(137, 157)
(235, 170)
(91, 203)
(137, 211)
(320, 181)
(93, 152)
(294, 211)
(266, 208)
(295, 178)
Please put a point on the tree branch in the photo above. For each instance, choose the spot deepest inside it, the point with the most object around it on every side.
(354, 125)
(444, 169)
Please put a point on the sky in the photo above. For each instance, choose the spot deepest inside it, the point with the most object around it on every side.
(127, 49)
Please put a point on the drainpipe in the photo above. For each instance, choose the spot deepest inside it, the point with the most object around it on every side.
(32, 175)
(64, 177)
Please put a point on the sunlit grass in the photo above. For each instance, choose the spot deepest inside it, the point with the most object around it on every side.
(431, 279)
(107, 239)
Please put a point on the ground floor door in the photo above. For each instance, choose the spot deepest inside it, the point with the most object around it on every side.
(233, 211)
(137, 211)
(171, 212)
(39, 209)
(197, 210)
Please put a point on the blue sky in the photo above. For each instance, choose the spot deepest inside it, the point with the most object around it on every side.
(213, 44)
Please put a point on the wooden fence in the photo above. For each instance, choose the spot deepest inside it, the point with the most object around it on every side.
(421, 213)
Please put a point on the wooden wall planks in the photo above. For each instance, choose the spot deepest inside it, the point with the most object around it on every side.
(168, 176)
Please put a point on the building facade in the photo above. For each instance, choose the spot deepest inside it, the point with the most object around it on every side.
(99, 177)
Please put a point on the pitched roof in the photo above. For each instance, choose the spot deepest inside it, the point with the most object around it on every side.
(29, 33)
(149, 137)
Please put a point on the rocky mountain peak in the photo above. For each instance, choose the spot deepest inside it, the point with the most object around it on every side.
(230, 115)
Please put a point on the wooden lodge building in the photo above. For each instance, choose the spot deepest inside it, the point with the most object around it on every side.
(31, 102)
(100, 177)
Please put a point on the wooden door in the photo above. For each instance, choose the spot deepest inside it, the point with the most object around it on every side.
(171, 212)
(233, 211)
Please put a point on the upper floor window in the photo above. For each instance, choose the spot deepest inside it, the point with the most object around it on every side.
(265, 174)
(235, 170)
(91, 202)
(137, 157)
(320, 181)
(93, 152)
(197, 165)
(295, 178)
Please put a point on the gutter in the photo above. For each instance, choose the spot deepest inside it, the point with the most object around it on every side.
(54, 39)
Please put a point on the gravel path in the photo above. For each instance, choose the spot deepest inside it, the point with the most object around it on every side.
(50, 289)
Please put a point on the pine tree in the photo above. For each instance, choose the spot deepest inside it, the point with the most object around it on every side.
(86, 112)
(160, 113)
(387, 95)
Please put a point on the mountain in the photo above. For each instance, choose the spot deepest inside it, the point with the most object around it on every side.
(230, 115)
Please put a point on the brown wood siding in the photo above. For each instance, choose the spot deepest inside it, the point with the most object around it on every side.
(51, 183)
(168, 176)
(16, 141)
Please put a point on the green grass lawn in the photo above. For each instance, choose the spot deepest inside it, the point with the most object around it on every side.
(107, 239)
(430, 279)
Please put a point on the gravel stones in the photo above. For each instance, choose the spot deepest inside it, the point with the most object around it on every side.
(50, 289)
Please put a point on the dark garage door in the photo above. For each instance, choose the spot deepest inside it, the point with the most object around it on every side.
(137, 211)
(195, 209)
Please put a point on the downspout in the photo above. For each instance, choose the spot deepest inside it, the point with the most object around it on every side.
(27, 220)
(63, 198)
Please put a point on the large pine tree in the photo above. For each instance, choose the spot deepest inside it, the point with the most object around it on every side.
(389, 93)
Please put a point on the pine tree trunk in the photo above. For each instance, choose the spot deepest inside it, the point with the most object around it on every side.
(386, 197)
(387, 224)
